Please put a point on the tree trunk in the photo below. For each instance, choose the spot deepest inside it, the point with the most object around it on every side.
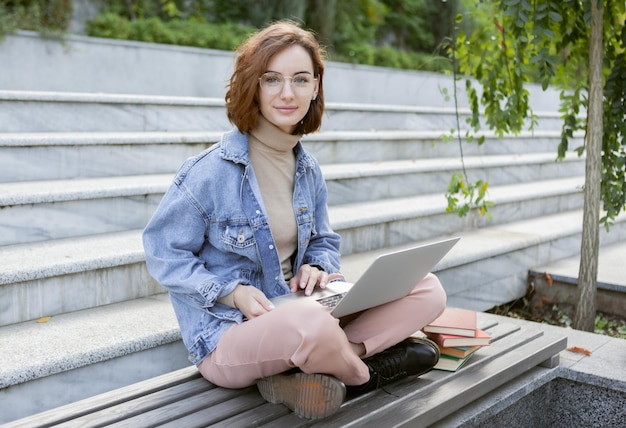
(321, 16)
(588, 271)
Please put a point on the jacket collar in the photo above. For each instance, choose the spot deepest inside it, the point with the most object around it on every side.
(234, 148)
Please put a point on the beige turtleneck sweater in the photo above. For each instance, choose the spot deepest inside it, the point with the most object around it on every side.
(274, 164)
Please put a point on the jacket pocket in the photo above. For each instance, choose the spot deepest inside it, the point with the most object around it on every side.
(238, 238)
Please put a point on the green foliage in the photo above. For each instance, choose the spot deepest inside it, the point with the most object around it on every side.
(187, 33)
(358, 22)
(109, 25)
(548, 42)
(196, 31)
(418, 25)
(610, 326)
(473, 195)
(50, 17)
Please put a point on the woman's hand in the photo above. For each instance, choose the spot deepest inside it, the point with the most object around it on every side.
(251, 301)
(309, 277)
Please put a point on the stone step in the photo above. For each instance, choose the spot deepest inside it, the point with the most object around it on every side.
(36, 111)
(65, 155)
(70, 268)
(372, 225)
(558, 282)
(490, 266)
(33, 111)
(378, 117)
(68, 155)
(101, 343)
(35, 211)
(359, 182)
(42, 210)
(375, 146)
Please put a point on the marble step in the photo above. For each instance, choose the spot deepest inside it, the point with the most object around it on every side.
(366, 226)
(44, 210)
(104, 342)
(33, 111)
(59, 275)
(26, 111)
(68, 155)
(490, 266)
(359, 182)
(351, 116)
(64, 155)
(40, 210)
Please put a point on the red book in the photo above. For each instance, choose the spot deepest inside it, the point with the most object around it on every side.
(450, 340)
(457, 321)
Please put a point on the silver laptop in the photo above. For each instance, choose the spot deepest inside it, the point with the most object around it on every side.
(390, 277)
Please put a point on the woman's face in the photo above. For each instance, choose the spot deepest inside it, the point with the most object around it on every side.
(285, 104)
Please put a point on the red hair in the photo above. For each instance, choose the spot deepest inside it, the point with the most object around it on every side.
(242, 96)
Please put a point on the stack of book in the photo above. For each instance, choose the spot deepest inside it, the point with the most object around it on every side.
(458, 337)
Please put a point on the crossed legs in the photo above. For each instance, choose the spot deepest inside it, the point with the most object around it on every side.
(305, 335)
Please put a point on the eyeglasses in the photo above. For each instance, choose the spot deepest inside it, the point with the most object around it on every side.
(273, 83)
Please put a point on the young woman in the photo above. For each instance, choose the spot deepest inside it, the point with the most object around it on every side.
(246, 220)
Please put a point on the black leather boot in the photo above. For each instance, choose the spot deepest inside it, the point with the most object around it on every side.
(411, 357)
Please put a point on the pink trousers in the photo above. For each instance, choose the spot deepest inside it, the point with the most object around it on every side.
(305, 335)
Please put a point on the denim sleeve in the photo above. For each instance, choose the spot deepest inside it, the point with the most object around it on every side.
(172, 239)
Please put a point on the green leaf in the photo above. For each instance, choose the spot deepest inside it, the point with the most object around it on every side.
(554, 16)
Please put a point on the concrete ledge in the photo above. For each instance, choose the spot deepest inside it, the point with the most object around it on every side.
(79, 339)
(561, 286)
(610, 275)
(604, 368)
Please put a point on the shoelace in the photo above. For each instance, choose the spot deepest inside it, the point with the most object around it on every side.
(388, 368)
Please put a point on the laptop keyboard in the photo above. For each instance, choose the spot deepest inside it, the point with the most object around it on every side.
(331, 301)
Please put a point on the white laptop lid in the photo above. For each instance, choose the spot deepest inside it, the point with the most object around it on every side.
(390, 277)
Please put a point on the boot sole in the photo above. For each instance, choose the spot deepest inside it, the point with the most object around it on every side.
(308, 395)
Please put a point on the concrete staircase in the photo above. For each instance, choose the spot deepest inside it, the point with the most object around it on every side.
(81, 173)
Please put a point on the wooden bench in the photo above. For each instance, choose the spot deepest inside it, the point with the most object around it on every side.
(184, 399)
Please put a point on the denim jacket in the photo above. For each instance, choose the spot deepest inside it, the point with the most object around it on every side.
(211, 232)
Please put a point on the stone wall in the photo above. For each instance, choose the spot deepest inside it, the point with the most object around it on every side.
(87, 64)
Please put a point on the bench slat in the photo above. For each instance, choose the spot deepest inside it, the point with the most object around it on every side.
(143, 404)
(104, 400)
(183, 406)
(428, 404)
(250, 404)
(254, 417)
